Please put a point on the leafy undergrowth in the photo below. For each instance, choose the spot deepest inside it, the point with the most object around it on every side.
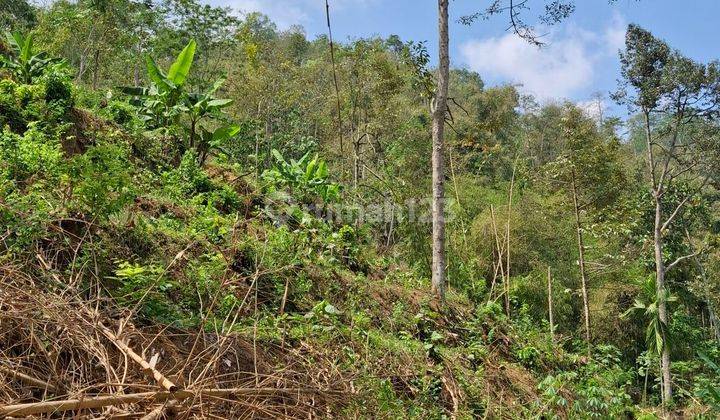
(226, 282)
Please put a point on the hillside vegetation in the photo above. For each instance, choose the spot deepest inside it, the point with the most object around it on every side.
(197, 221)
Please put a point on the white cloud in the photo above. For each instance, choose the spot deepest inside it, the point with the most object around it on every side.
(566, 65)
(283, 13)
(286, 13)
(555, 71)
(615, 34)
(595, 108)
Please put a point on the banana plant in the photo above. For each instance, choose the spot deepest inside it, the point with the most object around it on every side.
(215, 139)
(167, 101)
(161, 104)
(24, 63)
(306, 177)
(201, 105)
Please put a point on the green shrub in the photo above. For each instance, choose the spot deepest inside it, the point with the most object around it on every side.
(146, 286)
(306, 179)
(20, 105)
(528, 355)
(225, 199)
(347, 246)
(33, 153)
(24, 216)
(121, 112)
(598, 388)
(707, 386)
(10, 112)
(58, 90)
(102, 184)
(187, 179)
(206, 282)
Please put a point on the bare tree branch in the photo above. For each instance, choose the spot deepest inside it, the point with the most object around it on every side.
(682, 203)
(683, 258)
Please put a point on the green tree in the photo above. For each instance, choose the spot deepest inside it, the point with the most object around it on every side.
(16, 15)
(588, 170)
(674, 95)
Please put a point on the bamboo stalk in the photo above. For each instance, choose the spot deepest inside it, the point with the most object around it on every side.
(147, 367)
(160, 411)
(159, 396)
(500, 260)
(581, 262)
(29, 379)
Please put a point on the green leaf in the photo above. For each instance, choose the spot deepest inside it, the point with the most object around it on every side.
(27, 48)
(332, 310)
(332, 193)
(223, 133)
(278, 156)
(181, 67)
(219, 103)
(216, 86)
(310, 169)
(302, 159)
(15, 41)
(715, 393)
(709, 362)
(636, 306)
(134, 90)
(322, 171)
(157, 75)
(5, 63)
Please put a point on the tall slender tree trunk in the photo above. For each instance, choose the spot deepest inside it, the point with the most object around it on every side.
(356, 157)
(659, 262)
(257, 156)
(81, 69)
(662, 305)
(439, 110)
(581, 260)
(136, 76)
(550, 306)
(499, 266)
(507, 240)
(268, 143)
(714, 325)
(96, 70)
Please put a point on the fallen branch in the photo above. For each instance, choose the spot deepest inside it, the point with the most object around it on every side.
(159, 396)
(160, 411)
(148, 368)
(29, 379)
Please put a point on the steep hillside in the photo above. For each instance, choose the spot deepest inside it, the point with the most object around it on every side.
(206, 215)
(133, 285)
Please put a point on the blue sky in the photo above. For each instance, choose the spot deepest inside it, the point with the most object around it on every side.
(579, 60)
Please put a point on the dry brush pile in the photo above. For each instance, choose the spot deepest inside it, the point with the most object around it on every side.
(67, 352)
